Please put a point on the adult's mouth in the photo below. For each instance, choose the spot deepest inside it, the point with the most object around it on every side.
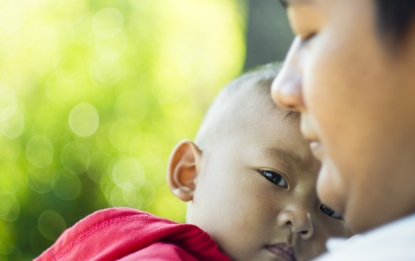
(282, 251)
(308, 129)
(317, 149)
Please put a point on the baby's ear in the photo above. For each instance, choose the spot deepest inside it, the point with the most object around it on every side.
(183, 170)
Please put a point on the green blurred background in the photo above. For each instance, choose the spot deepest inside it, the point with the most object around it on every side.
(94, 94)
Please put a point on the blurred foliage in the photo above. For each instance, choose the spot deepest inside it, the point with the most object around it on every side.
(93, 97)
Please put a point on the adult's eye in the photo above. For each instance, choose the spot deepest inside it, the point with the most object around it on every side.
(330, 212)
(274, 177)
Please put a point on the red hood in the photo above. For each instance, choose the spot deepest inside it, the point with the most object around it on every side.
(128, 234)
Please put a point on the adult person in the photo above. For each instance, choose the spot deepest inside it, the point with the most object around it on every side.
(351, 73)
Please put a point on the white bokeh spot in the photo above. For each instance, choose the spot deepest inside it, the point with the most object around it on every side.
(11, 122)
(128, 173)
(84, 119)
(107, 22)
(39, 151)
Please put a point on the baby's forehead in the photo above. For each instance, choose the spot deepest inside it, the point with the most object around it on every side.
(250, 99)
(249, 116)
(245, 103)
(242, 105)
(245, 100)
(271, 130)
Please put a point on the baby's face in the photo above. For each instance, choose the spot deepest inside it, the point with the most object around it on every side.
(255, 192)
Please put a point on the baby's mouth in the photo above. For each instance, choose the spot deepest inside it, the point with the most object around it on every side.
(282, 251)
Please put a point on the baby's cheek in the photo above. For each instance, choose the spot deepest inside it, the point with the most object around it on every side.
(249, 228)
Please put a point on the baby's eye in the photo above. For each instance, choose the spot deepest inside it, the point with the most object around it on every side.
(330, 212)
(275, 178)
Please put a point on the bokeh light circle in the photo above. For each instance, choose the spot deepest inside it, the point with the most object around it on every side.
(133, 198)
(107, 22)
(6, 239)
(74, 157)
(12, 17)
(169, 87)
(82, 28)
(98, 166)
(12, 178)
(116, 198)
(128, 173)
(106, 72)
(132, 105)
(51, 224)
(148, 194)
(9, 207)
(40, 179)
(39, 151)
(125, 135)
(59, 86)
(112, 47)
(11, 122)
(11, 149)
(84, 119)
(45, 56)
(66, 186)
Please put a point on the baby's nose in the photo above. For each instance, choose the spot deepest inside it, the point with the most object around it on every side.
(299, 221)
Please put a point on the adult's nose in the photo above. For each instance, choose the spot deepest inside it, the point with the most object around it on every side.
(298, 220)
(286, 88)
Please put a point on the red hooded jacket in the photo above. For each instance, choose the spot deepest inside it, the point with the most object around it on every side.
(127, 234)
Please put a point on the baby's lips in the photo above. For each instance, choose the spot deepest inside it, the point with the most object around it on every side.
(283, 251)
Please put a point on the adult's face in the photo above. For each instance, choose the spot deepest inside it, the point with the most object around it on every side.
(357, 104)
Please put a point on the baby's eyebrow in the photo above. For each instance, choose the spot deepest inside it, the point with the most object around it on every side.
(286, 156)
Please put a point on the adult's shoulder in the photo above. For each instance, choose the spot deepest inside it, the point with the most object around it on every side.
(393, 241)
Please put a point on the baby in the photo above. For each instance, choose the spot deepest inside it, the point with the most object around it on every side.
(249, 180)
(250, 177)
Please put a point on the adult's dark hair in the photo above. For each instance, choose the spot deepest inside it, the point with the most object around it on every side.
(394, 18)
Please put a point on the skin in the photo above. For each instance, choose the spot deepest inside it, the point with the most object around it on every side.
(230, 198)
(356, 97)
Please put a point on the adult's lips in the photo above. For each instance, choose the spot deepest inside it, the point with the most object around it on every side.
(317, 149)
(308, 130)
(282, 251)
